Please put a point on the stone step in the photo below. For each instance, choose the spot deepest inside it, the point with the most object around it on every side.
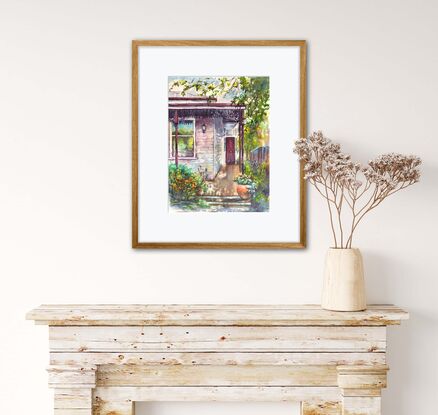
(234, 209)
(227, 203)
(226, 199)
(230, 204)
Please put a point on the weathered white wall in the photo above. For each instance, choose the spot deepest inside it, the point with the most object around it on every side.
(65, 170)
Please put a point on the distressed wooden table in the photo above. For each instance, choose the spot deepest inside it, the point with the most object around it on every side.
(103, 358)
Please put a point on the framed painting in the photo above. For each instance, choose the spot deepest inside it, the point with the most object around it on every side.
(213, 126)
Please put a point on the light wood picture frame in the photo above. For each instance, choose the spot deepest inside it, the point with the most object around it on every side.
(203, 173)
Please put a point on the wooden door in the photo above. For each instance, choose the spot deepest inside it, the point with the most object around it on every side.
(230, 150)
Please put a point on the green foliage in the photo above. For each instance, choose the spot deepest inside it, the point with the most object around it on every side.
(260, 202)
(258, 173)
(186, 138)
(255, 96)
(186, 146)
(184, 183)
(243, 179)
(190, 205)
(184, 128)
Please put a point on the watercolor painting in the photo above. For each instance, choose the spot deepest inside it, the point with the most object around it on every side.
(218, 144)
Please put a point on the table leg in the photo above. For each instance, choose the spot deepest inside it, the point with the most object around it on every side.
(73, 401)
(361, 388)
(101, 407)
(361, 405)
(321, 408)
(73, 386)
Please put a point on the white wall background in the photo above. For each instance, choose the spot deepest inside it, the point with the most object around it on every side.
(65, 171)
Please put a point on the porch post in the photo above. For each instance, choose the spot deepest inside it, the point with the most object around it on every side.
(176, 121)
(241, 139)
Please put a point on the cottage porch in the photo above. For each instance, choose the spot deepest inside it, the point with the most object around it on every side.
(214, 148)
(223, 184)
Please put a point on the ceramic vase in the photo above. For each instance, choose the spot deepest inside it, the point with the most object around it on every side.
(243, 191)
(344, 285)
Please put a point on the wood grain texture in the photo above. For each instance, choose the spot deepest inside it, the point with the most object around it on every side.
(216, 338)
(344, 282)
(332, 362)
(69, 377)
(179, 375)
(361, 406)
(134, 144)
(113, 407)
(136, 44)
(212, 315)
(218, 358)
(303, 133)
(321, 408)
(175, 42)
(358, 380)
(211, 393)
(73, 398)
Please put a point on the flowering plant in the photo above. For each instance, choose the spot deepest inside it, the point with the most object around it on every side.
(343, 182)
(244, 179)
(184, 183)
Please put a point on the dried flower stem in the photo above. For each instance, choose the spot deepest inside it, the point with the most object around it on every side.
(331, 216)
(335, 177)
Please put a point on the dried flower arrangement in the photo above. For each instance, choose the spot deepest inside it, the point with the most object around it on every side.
(342, 182)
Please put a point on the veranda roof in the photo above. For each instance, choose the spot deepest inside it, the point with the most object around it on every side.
(201, 106)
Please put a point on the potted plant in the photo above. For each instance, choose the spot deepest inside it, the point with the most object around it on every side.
(245, 186)
(351, 191)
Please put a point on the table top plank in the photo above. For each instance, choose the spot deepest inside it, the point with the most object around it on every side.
(211, 315)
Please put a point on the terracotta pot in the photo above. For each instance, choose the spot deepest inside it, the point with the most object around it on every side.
(344, 285)
(243, 191)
